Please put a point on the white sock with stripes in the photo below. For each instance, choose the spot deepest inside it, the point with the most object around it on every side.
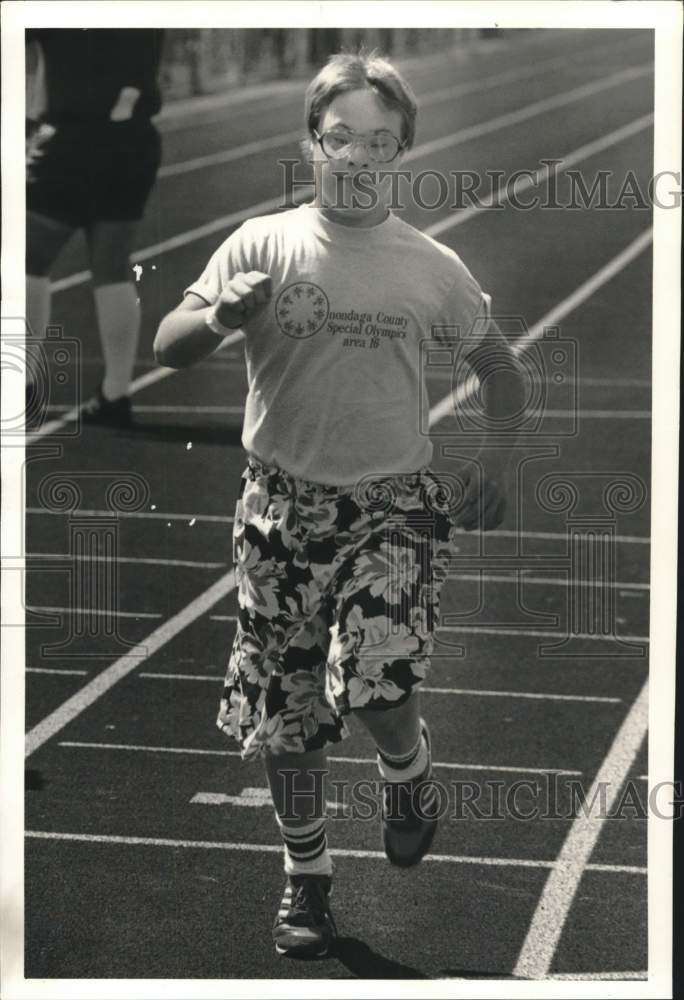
(306, 848)
(403, 767)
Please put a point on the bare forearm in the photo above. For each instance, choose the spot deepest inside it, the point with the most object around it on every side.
(503, 397)
(183, 338)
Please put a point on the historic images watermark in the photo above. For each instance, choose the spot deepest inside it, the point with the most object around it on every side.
(87, 505)
(548, 187)
(552, 796)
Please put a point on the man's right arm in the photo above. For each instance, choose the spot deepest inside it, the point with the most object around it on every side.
(194, 329)
(183, 337)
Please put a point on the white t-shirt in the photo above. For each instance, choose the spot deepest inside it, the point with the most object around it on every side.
(336, 389)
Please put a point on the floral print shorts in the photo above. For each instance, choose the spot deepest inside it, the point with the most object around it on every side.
(338, 593)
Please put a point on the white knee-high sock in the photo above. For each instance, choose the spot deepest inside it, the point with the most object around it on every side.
(118, 318)
(37, 304)
(403, 767)
(306, 848)
(37, 315)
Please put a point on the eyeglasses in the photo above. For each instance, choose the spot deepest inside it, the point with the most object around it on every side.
(381, 147)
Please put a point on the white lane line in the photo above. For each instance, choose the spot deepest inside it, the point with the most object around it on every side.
(582, 380)
(44, 609)
(338, 852)
(614, 976)
(445, 765)
(548, 581)
(94, 689)
(71, 708)
(598, 414)
(56, 670)
(550, 535)
(180, 240)
(537, 696)
(516, 74)
(133, 560)
(178, 408)
(578, 155)
(137, 385)
(447, 406)
(228, 519)
(561, 887)
(482, 577)
(529, 111)
(239, 411)
(235, 218)
(231, 155)
(476, 86)
(254, 798)
(418, 66)
(154, 675)
(145, 515)
(539, 633)
(424, 149)
(493, 630)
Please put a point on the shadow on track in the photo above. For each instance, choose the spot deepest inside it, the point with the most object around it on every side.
(197, 433)
(365, 963)
(479, 974)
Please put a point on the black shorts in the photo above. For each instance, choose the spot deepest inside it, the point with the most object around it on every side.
(84, 172)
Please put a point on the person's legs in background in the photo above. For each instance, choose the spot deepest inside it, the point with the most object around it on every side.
(110, 245)
(45, 238)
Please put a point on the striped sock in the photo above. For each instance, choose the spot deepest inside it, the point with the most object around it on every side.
(403, 767)
(306, 848)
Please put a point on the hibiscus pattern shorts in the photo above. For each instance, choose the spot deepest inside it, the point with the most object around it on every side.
(338, 593)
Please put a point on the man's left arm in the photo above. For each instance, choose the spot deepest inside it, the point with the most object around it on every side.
(489, 481)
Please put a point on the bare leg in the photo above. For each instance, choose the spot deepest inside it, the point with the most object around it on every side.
(300, 797)
(396, 730)
(45, 238)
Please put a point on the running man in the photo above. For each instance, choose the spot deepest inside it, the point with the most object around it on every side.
(337, 578)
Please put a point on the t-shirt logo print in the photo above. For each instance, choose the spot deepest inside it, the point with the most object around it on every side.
(302, 309)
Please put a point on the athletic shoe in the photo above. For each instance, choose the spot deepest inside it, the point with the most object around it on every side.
(109, 412)
(410, 814)
(304, 926)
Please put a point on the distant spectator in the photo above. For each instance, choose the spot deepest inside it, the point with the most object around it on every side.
(92, 161)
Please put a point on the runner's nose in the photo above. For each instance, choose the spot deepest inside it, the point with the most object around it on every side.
(360, 160)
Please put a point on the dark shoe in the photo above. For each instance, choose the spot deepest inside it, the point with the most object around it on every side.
(107, 412)
(410, 814)
(304, 926)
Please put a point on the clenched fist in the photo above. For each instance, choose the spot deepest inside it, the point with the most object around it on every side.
(485, 491)
(242, 298)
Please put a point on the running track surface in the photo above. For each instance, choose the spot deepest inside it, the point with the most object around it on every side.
(150, 850)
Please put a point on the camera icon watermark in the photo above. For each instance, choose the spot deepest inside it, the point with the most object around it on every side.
(548, 367)
(36, 371)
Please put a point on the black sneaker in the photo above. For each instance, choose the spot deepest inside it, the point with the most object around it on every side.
(304, 926)
(410, 814)
(107, 412)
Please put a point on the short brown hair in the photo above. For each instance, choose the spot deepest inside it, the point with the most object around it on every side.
(361, 71)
